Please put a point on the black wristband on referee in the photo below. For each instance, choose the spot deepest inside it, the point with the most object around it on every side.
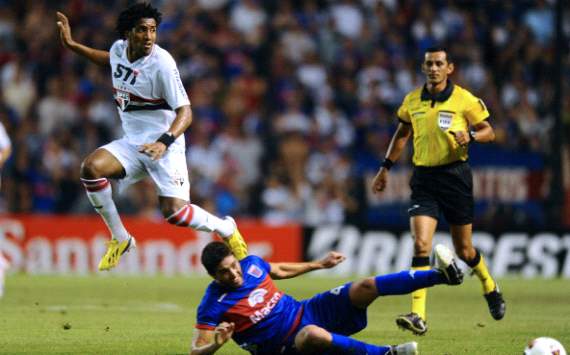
(472, 136)
(167, 139)
(387, 164)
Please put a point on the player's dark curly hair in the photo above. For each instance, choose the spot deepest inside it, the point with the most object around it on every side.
(213, 254)
(131, 16)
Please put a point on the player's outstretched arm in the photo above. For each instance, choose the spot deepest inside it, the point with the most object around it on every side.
(95, 55)
(288, 270)
(209, 341)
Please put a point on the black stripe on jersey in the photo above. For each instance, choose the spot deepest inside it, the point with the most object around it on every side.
(483, 107)
(162, 106)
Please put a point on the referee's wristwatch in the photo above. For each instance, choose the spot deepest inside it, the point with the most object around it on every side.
(472, 135)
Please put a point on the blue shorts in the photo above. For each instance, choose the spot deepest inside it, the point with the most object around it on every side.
(331, 310)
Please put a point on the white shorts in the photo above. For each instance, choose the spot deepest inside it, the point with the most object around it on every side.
(169, 173)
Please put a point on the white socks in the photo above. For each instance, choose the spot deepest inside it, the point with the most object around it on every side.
(4, 265)
(199, 219)
(101, 197)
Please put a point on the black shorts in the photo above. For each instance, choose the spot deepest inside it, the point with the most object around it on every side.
(446, 189)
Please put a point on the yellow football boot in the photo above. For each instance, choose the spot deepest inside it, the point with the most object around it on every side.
(114, 251)
(235, 242)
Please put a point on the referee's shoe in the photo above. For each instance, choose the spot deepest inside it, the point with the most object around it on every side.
(496, 303)
(412, 322)
(445, 263)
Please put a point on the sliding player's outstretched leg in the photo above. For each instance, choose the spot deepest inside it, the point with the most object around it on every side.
(361, 294)
(445, 263)
(312, 339)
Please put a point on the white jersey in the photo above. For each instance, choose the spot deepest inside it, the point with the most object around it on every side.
(4, 139)
(146, 91)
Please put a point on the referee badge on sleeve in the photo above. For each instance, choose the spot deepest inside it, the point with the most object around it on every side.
(444, 119)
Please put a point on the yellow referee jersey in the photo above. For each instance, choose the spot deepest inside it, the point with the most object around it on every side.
(434, 117)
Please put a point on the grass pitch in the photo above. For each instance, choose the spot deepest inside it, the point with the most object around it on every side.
(155, 315)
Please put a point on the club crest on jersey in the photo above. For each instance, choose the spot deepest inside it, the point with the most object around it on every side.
(444, 119)
(256, 297)
(122, 98)
(254, 271)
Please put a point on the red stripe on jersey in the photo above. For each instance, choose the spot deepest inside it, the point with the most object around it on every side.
(295, 323)
(135, 98)
(255, 306)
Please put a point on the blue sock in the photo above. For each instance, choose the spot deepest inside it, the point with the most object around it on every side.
(405, 282)
(354, 347)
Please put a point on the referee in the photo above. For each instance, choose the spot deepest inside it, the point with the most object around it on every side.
(444, 119)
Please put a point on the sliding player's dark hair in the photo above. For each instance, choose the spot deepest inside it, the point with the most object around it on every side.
(441, 49)
(132, 15)
(213, 254)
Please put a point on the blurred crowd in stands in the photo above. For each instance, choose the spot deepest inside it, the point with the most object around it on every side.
(293, 101)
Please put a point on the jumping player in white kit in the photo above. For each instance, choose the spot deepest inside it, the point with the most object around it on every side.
(155, 111)
(5, 152)
(4, 266)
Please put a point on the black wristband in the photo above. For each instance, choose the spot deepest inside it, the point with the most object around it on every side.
(472, 136)
(167, 139)
(387, 163)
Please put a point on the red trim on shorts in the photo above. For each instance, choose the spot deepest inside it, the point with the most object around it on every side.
(295, 324)
(205, 327)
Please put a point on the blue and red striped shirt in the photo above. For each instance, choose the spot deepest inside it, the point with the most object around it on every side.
(263, 315)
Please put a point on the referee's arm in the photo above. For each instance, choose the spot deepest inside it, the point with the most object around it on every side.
(397, 144)
(483, 132)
